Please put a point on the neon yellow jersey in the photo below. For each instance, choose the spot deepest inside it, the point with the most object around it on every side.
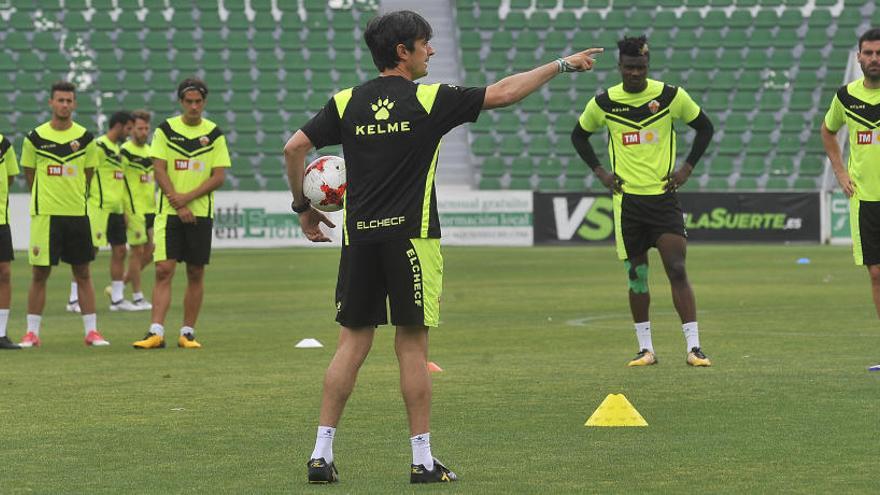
(139, 179)
(641, 138)
(107, 189)
(8, 168)
(190, 153)
(59, 160)
(859, 109)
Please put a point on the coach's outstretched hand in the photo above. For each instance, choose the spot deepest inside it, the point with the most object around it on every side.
(583, 61)
(310, 221)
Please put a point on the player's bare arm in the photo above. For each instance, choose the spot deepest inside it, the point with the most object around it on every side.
(295, 151)
(29, 174)
(514, 88)
(160, 171)
(832, 149)
(178, 200)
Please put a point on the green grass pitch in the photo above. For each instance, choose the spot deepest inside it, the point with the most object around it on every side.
(531, 341)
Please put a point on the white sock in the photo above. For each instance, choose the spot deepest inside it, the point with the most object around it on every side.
(324, 443)
(33, 324)
(186, 330)
(116, 290)
(4, 319)
(74, 295)
(643, 333)
(157, 329)
(137, 296)
(691, 334)
(90, 322)
(421, 448)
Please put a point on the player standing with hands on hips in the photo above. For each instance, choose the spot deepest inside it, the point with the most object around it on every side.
(390, 130)
(639, 114)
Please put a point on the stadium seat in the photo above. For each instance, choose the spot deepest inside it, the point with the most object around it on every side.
(746, 184)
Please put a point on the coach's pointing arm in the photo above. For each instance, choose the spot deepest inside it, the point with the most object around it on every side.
(514, 88)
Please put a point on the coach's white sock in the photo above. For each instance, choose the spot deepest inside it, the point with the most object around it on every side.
(157, 329)
(643, 333)
(324, 443)
(74, 295)
(90, 322)
(116, 290)
(691, 334)
(137, 296)
(186, 330)
(421, 448)
(33, 324)
(4, 320)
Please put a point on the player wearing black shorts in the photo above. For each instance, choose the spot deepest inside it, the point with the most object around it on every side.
(190, 159)
(59, 158)
(639, 114)
(856, 105)
(8, 168)
(390, 130)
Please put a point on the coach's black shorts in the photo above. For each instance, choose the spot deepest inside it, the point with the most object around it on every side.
(640, 220)
(185, 242)
(865, 226)
(54, 238)
(6, 253)
(408, 272)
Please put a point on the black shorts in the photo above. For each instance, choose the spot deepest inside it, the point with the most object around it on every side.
(408, 272)
(116, 229)
(150, 219)
(184, 242)
(54, 238)
(6, 252)
(643, 219)
(865, 226)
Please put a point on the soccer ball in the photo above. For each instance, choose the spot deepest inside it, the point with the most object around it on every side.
(324, 183)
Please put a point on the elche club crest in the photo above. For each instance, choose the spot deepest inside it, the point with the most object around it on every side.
(74, 145)
(204, 140)
(654, 106)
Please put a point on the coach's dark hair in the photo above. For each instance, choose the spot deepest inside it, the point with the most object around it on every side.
(192, 84)
(62, 86)
(385, 32)
(142, 115)
(634, 47)
(122, 117)
(872, 34)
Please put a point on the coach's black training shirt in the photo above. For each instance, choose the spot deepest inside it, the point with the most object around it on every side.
(390, 130)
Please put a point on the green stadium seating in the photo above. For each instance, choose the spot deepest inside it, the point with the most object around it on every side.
(776, 184)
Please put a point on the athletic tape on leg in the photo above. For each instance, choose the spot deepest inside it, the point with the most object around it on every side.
(638, 277)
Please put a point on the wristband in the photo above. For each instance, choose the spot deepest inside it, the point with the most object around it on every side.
(300, 209)
(563, 66)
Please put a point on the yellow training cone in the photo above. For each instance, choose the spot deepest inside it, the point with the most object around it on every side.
(615, 410)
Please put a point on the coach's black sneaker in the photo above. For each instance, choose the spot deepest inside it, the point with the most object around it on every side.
(5, 343)
(697, 358)
(321, 472)
(440, 474)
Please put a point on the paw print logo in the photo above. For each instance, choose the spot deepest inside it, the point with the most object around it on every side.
(381, 108)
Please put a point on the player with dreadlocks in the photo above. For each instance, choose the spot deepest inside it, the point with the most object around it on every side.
(638, 114)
